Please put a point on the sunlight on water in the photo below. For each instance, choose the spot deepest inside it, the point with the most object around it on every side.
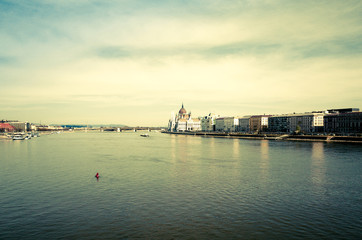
(318, 168)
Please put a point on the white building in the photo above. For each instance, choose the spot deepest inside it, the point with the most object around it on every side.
(208, 123)
(172, 122)
(183, 122)
(226, 124)
(231, 124)
(181, 125)
(307, 122)
(193, 124)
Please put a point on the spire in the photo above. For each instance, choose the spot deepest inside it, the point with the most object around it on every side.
(182, 110)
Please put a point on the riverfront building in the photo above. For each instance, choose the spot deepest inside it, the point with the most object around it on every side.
(296, 122)
(6, 127)
(244, 125)
(259, 123)
(193, 124)
(219, 124)
(307, 122)
(19, 126)
(231, 124)
(343, 123)
(279, 124)
(182, 122)
(208, 122)
(226, 124)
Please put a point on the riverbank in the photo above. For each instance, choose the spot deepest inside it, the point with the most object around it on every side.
(276, 137)
(8, 136)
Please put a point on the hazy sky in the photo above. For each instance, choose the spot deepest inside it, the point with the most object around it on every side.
(133, 62)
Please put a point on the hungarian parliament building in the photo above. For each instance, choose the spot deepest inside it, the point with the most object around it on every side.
(182, 122)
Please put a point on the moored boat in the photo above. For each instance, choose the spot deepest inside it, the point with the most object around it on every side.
(18, 137)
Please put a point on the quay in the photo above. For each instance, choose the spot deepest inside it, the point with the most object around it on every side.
(275, 137)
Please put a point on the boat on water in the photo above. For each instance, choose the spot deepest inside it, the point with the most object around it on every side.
(18, 137)
(28, 135)
(23, 136)
(144, 135)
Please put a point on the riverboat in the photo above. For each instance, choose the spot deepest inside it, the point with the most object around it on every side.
(18, 137)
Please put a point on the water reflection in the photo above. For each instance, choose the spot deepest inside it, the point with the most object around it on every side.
(236, 150)
(212, 147)
(173, 147)
(182, 148)
(264, 149)
(264, 159)
(318, 169)
(179, 149)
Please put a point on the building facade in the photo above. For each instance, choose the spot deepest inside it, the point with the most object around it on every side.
(279, 124)
(296, 122)
(20, 126)
(226, 124)
(231, 124)
(193, 124)
(307, 122)
(182, 122)
(6, 127)
(208, 122)
(343, 123)
(219, 124)
(259, 123)
(244, 125)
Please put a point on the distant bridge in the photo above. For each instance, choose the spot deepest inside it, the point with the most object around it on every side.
(115, 129)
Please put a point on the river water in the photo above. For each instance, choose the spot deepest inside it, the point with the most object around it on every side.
(178, 187)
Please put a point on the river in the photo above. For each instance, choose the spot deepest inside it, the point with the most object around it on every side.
(178, 187)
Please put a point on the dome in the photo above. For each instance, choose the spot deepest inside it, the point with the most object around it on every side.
(182, 110)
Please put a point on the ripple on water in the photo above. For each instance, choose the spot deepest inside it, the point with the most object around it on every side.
(177, 187)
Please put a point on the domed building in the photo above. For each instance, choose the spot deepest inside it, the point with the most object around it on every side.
(182, 114)
(183, 122)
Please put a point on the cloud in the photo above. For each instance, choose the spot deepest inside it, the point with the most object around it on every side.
(343, 47)
(7, 60)
(126, 57)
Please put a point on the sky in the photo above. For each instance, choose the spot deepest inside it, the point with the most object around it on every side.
(133, 62)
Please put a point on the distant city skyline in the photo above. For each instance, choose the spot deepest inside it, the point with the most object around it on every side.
(134, 62)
